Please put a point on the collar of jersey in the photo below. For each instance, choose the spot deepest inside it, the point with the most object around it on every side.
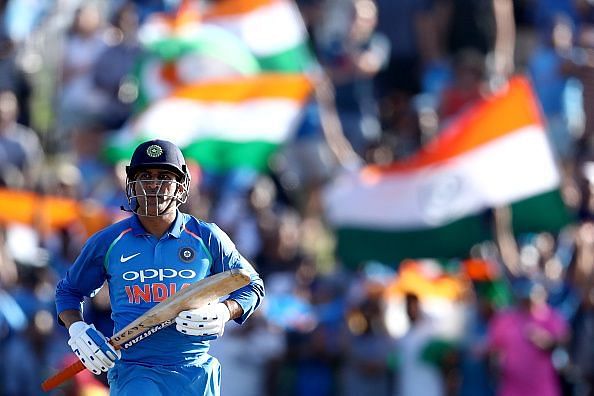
(174, 231)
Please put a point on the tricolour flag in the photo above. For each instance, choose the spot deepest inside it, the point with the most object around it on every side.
(436, 204)
(179, 49)
(272, 29)
(222, 124)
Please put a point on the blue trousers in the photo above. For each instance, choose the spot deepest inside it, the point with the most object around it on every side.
(130, 379)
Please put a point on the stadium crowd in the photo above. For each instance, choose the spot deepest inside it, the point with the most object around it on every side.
(398, 71)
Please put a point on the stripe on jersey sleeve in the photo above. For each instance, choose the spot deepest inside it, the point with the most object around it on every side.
(113, 244)
(201, 243)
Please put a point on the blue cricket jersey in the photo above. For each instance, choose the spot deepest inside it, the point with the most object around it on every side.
(142, 270)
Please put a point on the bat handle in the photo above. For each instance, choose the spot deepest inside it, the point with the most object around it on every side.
(66, 374)
(62, 376)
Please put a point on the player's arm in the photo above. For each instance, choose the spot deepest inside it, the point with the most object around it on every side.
(210, 320)
(226, 257)
(235, 310)
(70, 316)
(83, 278)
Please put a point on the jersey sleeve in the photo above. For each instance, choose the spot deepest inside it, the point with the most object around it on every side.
(226, 257)
(83, 278)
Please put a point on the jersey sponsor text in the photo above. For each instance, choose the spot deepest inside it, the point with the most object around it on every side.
(159, 274)
(155, 292)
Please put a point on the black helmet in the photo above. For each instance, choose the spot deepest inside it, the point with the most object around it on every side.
(157, 154)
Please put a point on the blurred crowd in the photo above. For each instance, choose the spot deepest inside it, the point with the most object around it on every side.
(397, 72)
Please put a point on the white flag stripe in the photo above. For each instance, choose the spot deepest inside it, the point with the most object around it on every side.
(186, 121)
(268, 30)
(509, 169)
(151, 71)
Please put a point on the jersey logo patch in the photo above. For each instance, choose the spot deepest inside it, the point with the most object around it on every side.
(124, 259)
(187, 254)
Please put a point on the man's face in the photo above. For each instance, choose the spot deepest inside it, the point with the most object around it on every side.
(8, 107)
(156, 191)
(413, 308)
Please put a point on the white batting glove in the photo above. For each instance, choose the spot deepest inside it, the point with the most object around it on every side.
(92, 347)
(208, 320)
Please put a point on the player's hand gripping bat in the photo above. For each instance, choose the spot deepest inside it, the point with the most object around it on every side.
(163, 314)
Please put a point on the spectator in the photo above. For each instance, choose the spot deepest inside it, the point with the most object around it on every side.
(84, 43)
(20, 148)
(417, 377)
(486, 26)
(367, 351)
(112, 69)
(467, 86)
(580, 64)
(550, 82)
(352, 59)
(14, 79)
(523, 339)
(246, 374)
(476, 376)
(580, 349)
(408, 25)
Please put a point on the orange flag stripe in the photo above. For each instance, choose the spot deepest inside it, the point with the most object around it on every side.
(47, 212)
(226, 8)
(501, 114)
(412, 279)
(265, 86)
(480, 270)
(27, 207)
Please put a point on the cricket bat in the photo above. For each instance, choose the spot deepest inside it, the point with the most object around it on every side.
(163, 314)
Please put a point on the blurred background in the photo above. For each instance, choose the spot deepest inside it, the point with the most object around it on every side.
(413, 179)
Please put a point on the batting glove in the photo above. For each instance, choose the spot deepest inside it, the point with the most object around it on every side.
(92, 347)
(208, 320)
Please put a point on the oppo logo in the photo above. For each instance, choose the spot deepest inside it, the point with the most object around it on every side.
(160, 274)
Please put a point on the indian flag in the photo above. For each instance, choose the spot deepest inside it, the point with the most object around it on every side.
(441, 293)
(437, 203)
(272, 29)
(222, 124)
(179, 50)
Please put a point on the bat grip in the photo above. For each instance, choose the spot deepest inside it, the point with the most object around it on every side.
(64, 375)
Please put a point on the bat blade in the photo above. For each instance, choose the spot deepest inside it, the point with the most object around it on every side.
(193, 296)
(163, 314)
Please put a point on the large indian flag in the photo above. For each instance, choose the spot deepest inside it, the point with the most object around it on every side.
(237, 122)
(272, 29)
(179, 50)
(437, 203)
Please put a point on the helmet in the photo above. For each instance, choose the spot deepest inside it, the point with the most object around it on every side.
(156, 154)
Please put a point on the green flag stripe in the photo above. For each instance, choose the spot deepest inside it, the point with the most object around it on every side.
(356, 245)
(544, 212)
(212, 154)
(293, 60)
(223, 155)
